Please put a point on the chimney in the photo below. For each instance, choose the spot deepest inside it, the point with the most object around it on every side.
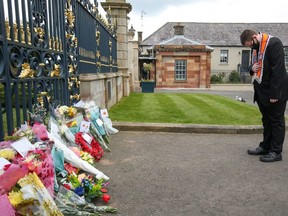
(178, 29)
(140, 37)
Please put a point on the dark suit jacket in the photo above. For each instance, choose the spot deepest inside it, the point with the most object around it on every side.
(274, 83)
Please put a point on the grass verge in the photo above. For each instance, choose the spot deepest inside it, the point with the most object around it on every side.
(184, 108)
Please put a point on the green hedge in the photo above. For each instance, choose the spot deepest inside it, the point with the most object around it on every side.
(217, 78)
(234, 77)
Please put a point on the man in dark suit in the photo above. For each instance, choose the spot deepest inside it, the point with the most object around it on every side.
(270, 82)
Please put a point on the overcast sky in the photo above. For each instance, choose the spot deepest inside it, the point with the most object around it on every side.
(149, 15)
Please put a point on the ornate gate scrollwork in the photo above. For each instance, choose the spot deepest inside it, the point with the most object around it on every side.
(40, 53)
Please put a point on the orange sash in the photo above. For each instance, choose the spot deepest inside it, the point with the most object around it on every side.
(259, 57)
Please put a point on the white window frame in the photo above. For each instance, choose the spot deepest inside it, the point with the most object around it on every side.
(180, 70)
(224, 56)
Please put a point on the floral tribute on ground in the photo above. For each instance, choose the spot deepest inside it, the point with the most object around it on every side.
(48, 166)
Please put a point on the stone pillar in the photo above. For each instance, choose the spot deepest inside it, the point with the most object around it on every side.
(131, 34)
(136, 66)
(119, 11)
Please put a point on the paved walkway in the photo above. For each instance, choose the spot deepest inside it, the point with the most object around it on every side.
(188, 174)
(202, 171)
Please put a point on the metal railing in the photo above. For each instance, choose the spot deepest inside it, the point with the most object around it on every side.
(44, 46)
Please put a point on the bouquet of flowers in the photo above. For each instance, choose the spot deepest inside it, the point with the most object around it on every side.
(24, 131)
(93, 148)
(73, 159)
(72, 204)
(65, 112)
(86, 186)
(68, 120)
(97, 128)
(34, 157)
(41, 162)
(30, 197)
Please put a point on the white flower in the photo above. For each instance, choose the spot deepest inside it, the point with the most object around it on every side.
(62, 110)
(28, 192)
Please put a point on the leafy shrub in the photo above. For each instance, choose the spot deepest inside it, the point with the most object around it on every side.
(234, 77)
(217, 78)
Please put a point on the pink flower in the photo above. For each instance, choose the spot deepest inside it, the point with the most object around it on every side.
(76, 151)
(70, 169)
(31, 166)
(104, 190)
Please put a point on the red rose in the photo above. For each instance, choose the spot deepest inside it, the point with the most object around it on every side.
(67, 186)
(106, 198)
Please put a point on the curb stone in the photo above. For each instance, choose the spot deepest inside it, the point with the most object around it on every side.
(188, 128)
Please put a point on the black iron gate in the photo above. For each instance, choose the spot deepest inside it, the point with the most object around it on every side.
(39, 55)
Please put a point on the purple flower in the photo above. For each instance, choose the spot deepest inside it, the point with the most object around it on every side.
(79, 191)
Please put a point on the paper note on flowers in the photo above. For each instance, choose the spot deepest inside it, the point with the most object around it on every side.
(104, 113)
(85, 126)
(87, 138)
(99, 122)
(3, 162)
(23, 146)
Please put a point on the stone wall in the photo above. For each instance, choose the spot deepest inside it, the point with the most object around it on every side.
(104, 89)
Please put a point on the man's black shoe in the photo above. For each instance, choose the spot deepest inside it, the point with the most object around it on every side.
(271, 157)
(258, 151)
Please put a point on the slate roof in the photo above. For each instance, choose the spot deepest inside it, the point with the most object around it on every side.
(179, 40)
(214, 34)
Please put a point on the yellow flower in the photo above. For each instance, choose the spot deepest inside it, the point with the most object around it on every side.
(72, 111)
(31, 178)
(91, 161)
(74, 124)
(15, 198)
(37, 182)
(7, 153)
(87, 157)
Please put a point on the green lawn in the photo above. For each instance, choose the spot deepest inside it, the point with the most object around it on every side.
(184, 108)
